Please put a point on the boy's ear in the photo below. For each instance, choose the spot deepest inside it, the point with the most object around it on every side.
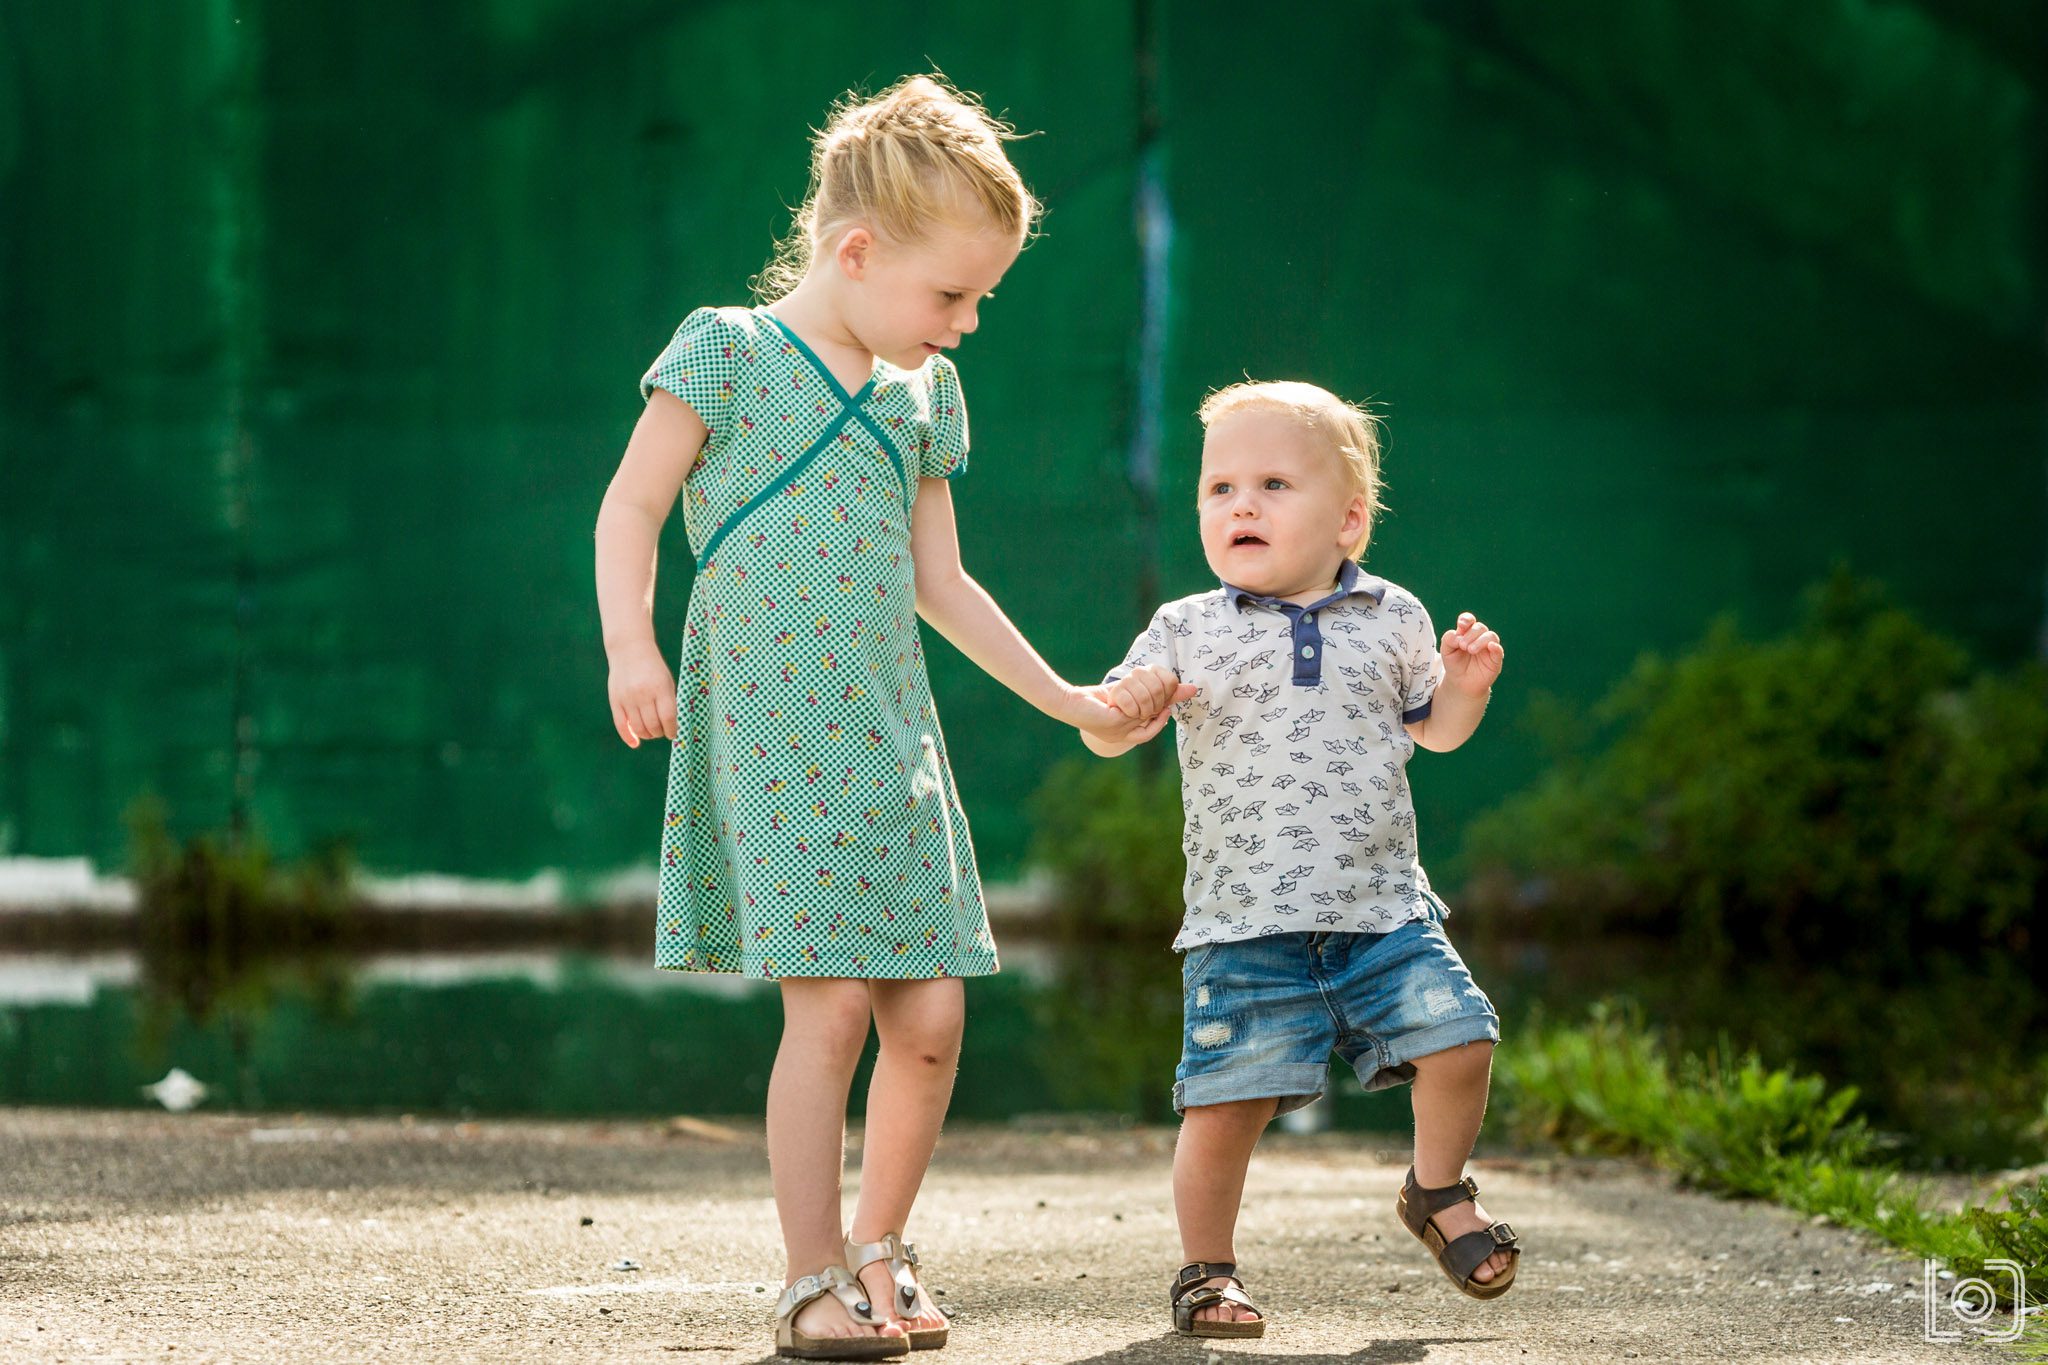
(855, 251)
(1355, 521)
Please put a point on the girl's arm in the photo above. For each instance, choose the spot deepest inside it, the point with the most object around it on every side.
(665, 442)
(959, 609)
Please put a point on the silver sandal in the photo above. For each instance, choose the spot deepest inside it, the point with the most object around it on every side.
(902, 1260)
(833, 1280)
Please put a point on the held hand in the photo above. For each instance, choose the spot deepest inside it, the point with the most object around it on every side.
(1147, 690)
(643, 694)
(1472, 656)
(1094, 711)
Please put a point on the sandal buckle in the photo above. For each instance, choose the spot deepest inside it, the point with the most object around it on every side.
(1503, 1235)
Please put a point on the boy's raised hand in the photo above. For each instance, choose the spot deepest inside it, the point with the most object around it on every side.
(1472, 655)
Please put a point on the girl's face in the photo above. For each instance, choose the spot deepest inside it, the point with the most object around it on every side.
(1278, 516)
(907, 301)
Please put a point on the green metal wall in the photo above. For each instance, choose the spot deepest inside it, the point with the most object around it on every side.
(322, 327)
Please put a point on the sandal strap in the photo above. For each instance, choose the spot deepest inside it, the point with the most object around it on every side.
(901, 1258)
(1194, 1272)
(1467, 1253)
(889, 1247)
(840, 1284)
(1432, 1200)
(1191, 1294)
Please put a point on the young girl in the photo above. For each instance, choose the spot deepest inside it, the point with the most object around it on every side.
(813, 835)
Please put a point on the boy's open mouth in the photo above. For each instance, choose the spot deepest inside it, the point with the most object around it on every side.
(1246, 538)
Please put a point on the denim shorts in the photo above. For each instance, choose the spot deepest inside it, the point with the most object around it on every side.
(1263, 1015)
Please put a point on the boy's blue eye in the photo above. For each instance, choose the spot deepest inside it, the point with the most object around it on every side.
(1219, 488)
(1276, 483)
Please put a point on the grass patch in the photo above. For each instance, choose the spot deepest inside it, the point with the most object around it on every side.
(1725, 1122)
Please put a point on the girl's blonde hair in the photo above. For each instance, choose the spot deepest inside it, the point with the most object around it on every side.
(918, 153)
(1350, 432)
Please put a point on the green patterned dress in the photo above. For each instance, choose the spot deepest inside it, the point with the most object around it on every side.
(812, 827)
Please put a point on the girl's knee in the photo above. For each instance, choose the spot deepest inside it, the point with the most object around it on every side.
(827, 1008)
(931, 1039)
(922, 1020)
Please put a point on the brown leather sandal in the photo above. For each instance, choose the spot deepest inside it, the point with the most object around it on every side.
(836, 1281)
(901, 1257)
(1190, 1295)
(1460, 1256)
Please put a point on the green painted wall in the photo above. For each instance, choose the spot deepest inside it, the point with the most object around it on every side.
(321, 337)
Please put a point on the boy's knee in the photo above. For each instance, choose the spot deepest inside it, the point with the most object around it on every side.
(1232, 1113)
(1464, 1061)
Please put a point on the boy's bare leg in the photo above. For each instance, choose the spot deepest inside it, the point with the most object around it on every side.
(1216, 1142)
(824, 1027)
(1450, 1101)
(919, 1024)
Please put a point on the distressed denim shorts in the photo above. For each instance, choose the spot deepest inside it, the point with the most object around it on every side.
(1263, 1015)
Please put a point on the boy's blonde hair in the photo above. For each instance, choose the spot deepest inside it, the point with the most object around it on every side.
(919, 152)
(1350, 432)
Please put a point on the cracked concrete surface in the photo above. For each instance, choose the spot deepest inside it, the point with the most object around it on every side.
(221, 1237)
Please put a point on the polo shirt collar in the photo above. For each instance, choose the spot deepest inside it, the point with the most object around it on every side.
(1351, 581)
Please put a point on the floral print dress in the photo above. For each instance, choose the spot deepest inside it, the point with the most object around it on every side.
(812, 827)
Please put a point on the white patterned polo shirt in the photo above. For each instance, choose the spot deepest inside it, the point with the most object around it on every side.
(1294, 759)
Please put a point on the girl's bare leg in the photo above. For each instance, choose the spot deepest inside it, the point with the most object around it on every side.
(824, 1026)
(919, 1024)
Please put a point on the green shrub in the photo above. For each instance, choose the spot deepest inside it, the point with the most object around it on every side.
(1109, 832)
(1845, 792)
(220, 924)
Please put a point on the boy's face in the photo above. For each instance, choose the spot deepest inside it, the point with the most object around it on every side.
(1278, 515)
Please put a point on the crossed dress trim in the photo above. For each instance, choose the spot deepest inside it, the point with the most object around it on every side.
(851, 408)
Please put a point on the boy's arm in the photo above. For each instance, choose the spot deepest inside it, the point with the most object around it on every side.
(962, 611)
(1472, 657)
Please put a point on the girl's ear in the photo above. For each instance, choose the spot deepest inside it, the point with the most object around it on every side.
(855, 252)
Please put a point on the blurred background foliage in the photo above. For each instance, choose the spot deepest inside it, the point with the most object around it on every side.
(323, 326)
(322, 330)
